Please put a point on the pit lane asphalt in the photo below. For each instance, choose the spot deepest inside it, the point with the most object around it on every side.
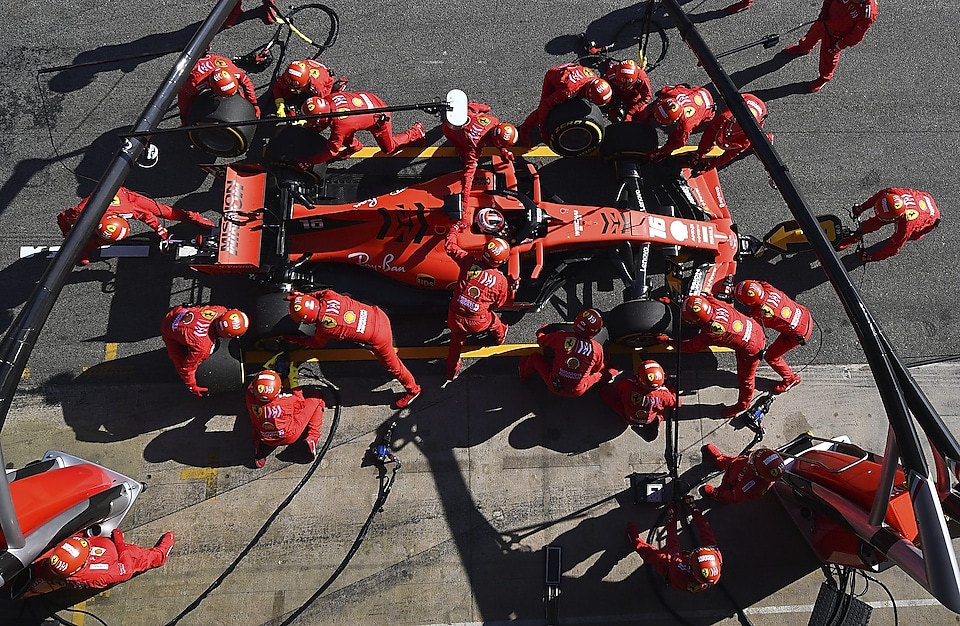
(889, 118)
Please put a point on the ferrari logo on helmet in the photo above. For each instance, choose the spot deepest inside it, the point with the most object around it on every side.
(569, 344)
(328, 322)
(208, 314)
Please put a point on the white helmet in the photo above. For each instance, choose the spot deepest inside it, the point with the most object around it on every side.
(490, 221)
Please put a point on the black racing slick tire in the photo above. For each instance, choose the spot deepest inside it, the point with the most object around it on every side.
(291, 145)
(223, 370)
(628, 139)
(574, 128)
(639, 323)
(271, 317)
(228, 141)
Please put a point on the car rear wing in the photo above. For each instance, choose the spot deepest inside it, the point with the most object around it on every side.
(241, 226)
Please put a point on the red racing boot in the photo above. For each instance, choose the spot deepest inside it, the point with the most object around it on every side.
(404, 401)
(786, 384)
(735, 410)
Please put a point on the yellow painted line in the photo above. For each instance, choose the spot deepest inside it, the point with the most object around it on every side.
(207, 474)
(447, 151)
(25, 373)
(110, 351)
(78, 617)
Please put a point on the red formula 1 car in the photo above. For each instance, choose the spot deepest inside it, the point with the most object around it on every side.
(275, 225)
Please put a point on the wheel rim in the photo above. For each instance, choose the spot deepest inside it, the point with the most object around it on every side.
(576, 139)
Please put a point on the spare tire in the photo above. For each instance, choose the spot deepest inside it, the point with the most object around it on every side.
(290, 145)
(638, 323)
(574, 127)
(223, 370)
(227, 141)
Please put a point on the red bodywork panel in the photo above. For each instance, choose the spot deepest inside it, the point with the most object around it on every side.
(858, 483)
(401, 234)
(39, 498)
(240, 226)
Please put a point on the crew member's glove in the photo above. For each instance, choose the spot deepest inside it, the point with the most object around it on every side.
(459, 226)
(292, 295)
(118, 540)
(197, 390)
(855, 211)
(506, 154)
(866, 258)
(163, 233)
(835, 49)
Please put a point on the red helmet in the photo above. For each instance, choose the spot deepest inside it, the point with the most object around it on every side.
(651, 375)
(496, 252)
(233, 323)
(623, 74)
(305, 309)
(731, 134)
(266, 386)
(505, 135)
(113, 228)
(705, 565)
(598, 91)
(70, 556)
(317, 106)
(891, 207)
(588, 323)
(696, 310)
(490, 221)
(667, 111)
(223, 83)
(296, 76)
(757, 107)
(749, 293)
(767, 463)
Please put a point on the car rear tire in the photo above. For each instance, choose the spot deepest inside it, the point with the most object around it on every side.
(574, 128)
(229, 141)
(223, 370)
(291, 145)
(638, 323)
(271, 317)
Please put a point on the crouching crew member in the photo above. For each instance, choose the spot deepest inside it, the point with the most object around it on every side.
(745, 477)
(642, 400)
(577, 362)
(282, 418)
(190, 335)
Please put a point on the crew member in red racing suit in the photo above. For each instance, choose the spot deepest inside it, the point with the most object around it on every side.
(190, 336)
(280, 418)
(684, 109)
(341, 318)
(631, 90)
(81, 562)
(482, 129)
(777, 311)
(343, 130)
(841, 24)
(745, 477)
(686, 570)
(301, 80)
(199, 81)
(562, 83)
(130, 205)
(725, 133)
(722, 325)
(642, 400)
(914, 214)
(480, 288)
(577, 362)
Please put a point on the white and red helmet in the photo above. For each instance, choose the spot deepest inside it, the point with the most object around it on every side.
(749, 293)
(767, 463)
(891, 207)
(223, 83)
(266, 386)
(598, 91)
(490, 221)
(705, 565)
(113, 228)
(233, 323)
(667, 111)
(588, 323)
(505, 135)
(296, 76)
(317, 106)
(496, 252)
(70, 556)
(696, 310)
(305, 309)
(623, 74)
(651, 376)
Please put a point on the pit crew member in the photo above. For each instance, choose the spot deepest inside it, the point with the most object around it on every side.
(722, 325)
(777, 311)
(745, 477)
(81, 562)
(480, 288)
(482, 129)
(217, 73)
(686, 570)
(725, 133)
(913, 214)
(343, 130)
(190, 334)
(341, 318)
(301, 80)
(641, 400)
(841, 24)
(683, 111)
(127, 205)
(562, 83)
(631, 90)
(577, 362)
(281, 418)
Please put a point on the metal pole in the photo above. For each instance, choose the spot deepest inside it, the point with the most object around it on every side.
(20, 339)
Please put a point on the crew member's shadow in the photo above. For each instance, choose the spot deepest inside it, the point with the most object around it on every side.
(567, 425)
(744, 77)
(204, 439)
